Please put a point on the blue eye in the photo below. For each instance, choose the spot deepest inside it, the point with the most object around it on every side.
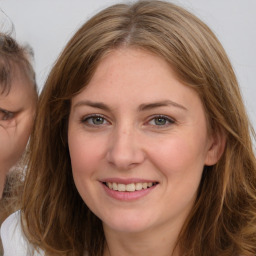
(95, 120)
(161, 121)
(6, 115)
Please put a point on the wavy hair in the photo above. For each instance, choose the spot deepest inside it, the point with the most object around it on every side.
(223, 218)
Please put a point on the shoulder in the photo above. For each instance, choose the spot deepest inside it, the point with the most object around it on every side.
(13, 239)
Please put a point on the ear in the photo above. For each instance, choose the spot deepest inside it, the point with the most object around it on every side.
(217, 143)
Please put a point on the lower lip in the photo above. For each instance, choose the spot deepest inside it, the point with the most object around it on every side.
(127, 196)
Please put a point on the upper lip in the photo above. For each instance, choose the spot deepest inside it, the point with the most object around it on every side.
(127, 181)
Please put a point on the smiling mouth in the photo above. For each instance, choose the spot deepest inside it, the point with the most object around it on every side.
(129, 187)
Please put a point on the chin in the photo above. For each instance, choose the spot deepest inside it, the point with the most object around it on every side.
(127, 224)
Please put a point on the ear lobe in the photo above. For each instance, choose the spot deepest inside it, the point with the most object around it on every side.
(216, 147)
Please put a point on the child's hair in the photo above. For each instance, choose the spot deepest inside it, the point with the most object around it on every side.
(13, 56)
(223, 218)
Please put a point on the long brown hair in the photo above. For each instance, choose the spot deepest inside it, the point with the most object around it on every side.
(223, 219)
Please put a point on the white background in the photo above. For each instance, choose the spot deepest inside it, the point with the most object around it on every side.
(47, 25)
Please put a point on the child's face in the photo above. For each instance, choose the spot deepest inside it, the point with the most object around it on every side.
(138, 144)
(16, 118)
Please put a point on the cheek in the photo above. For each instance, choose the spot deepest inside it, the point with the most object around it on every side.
(13, 144)
(84, 154)
(181, 163)
(85, 159)
(179, 155)
(24, 134)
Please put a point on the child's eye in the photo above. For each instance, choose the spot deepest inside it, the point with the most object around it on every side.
(95, 120)
(6, 115)
(161, 121)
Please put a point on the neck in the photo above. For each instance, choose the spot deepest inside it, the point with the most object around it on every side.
(148, 243)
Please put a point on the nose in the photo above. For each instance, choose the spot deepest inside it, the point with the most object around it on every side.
(125, 150)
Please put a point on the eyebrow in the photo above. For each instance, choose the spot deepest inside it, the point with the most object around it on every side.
(142, 107)
(164, 103)
(11, 111)
(99, 105)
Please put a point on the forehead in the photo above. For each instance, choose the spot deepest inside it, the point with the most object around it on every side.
(133, 75)
(20, 94)
(10, 71)
(129, 64)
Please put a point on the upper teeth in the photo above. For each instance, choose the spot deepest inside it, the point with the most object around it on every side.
(129, 187)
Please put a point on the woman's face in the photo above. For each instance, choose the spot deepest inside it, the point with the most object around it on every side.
(16, 118)
(138, 143)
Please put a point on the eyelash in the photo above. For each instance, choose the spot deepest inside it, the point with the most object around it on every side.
(89, 121)
(6, 115)
(168, 121)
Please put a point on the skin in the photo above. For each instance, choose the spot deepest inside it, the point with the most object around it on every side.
(17, 110)
(131, 141)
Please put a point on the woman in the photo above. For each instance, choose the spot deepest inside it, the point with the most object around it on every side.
(141, 144)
